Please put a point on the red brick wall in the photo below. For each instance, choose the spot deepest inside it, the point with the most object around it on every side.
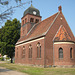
(66, 54)
(34, 60)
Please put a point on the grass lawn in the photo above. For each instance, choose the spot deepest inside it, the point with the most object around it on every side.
(39, 71)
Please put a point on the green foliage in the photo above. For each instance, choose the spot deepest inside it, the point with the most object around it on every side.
(2, 59)
(2, 48)
(10, 34)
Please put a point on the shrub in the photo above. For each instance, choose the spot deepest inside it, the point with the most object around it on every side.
(2, 59)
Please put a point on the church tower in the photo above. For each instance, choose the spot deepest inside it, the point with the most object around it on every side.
(30, 17)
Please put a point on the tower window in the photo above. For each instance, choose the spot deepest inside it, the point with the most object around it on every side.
(60, 53)
(71, 53)
(37, 20)
(25, 20)
(38, 50)
(31, 19)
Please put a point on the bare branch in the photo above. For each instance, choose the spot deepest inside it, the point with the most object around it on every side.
(6, 14)
(4, 3)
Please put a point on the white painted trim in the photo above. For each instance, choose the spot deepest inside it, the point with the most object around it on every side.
(63, 43)
(30, 41)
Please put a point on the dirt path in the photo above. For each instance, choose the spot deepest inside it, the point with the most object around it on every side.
(4, 71)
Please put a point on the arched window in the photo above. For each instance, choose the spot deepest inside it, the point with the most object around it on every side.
(38, 50)
(71, 53)
(37, 20)
(30, 51)
(60, 53)
(25, 20)
(31, 19)
(23, 52)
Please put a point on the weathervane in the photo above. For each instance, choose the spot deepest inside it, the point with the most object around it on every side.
(31, 1)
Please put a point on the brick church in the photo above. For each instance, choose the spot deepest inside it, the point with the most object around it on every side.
(45, 43)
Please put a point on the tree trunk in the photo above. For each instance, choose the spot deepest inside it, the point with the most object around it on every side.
(11, 60)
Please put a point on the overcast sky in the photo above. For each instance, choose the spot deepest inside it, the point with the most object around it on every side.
(50, 7)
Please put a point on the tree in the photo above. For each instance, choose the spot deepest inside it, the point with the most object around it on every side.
(10, 34)
(7, 8)
(2, 44)
(2, 48)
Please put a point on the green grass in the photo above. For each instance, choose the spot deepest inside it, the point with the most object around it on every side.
(39, 71)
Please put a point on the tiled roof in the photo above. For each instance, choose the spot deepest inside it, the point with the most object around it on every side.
(39, 29)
